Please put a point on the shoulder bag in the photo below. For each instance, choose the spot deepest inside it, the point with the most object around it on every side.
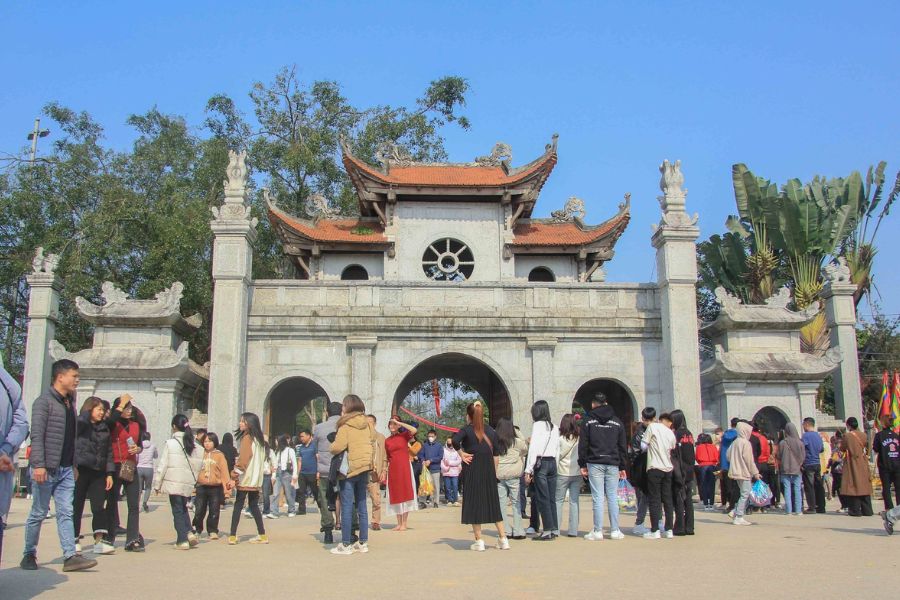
(537, 461)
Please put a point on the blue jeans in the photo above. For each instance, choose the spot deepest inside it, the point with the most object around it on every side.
(509, 488)
(283, 482)
(604, 480)
(793, 497)
(180, 517)
(353, 492)
(571, 484)
(707, 484)
(451, 488)
(60, 485)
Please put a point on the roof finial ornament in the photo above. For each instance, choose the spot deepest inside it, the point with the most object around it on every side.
(551, 147)
(236, 174)
(44, 263)
(393, 154)
(672, 202)
(839, 271)
(317, 206)
(574, 209)
(502, 152)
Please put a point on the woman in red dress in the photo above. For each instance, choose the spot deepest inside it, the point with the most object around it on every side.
(401, 491)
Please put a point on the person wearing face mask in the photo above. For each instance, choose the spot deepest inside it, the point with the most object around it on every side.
(431, 455)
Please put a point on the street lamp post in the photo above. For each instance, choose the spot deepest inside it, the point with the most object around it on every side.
(33, 137)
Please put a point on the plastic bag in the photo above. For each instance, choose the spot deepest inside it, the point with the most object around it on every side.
(626, 496)
(426, 488)
(760, 494)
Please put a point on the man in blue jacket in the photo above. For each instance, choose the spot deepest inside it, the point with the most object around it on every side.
(732, 490)
(813, 487)
(13, 432)
(431, 455)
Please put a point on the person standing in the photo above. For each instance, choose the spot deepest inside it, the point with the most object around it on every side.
(835, 468)
(401, 487)
(13, 433)
(601, 456)
(327, 497)
(658, 442)
(886, 447)
(812, 468)
(512, 451)
(306, 457)
(541, 467)
(568, 478)
(762, 452)
(430, 455)
(856, 484)
(176, 476)
(683, 493)
(478, 446)
(637, 469)
(375, 477)
(212, 479)
(145, 468)
(707, 462)
(128, 425)
(286, 475)
(248, 473)
(728, 484)
(742, 469)
(53, 467)
(451, 467)
(791, 453)
(93, 458)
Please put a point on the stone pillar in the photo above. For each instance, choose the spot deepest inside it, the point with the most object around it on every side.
(731, 395)
(542, 378)
(806, 396)
(361, 348)
(841, 314)
(43, 314)
(159, 416)
(235, 233)
(676, 266)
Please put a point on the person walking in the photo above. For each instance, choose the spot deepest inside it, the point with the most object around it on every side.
(93, 458)
(13, 433)
(707, 463)
(512, 451)
(683, 492)
(53, 467)
(451, 467)
(248, 475)
(306, 458)
(375, 477)
(286, 476)
(601, 456)
(812, 467)
(128, 426)
(269, 470)
(742, 469)
(176, 476)
(212, 479)
(658, 442)
(791, 453)
(430, 455)
(886, 447)
(541, 468)
(856, 484)
(479, 447)
(145, 468)
(399, 481)
(569, 478)
(326, 496)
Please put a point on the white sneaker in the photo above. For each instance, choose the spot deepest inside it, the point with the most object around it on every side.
(616, 535)
(503, 544)
(343, 550)
(594, 536)
(361, 547)
(193, 540)
(639, 530)
(183, 546)
(290, 515)
(530, 531)
(78, 548)
(669, 535)
(651, 535)
(104, 548)
(731, 513)
(741, 521)
(478, 546)
(270, 516)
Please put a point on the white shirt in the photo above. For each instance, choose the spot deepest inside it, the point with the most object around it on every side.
(659, 442)
(288, 455)
(544, 442)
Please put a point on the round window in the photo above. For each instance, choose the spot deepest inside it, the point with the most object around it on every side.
(448, 260)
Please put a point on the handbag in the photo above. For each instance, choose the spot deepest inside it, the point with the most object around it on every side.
(127, 470)
(537, 461)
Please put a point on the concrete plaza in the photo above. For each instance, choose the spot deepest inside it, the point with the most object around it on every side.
(799, 557)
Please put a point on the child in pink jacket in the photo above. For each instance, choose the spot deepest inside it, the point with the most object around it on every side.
(451, 466)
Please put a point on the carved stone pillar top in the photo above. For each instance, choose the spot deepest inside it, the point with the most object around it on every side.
(362, 341)
(675, 223)
(233, 217)
(544, 343)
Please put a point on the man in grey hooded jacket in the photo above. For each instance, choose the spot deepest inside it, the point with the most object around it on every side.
(13, 432)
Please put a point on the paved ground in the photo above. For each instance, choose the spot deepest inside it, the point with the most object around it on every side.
(800, 557)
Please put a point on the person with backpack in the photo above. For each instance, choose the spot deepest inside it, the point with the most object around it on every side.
(601, 456)
(637, 469)
(790, 455)
(683, 483)
(176, 475)
(886, 447)
(285, 476)
(707, 456)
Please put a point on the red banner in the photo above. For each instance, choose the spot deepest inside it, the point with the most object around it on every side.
(436, 392)
(427, 422)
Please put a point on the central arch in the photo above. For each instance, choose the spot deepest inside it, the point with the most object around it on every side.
(770, 421)
(462, 368)
(617, 396)
(288, 401)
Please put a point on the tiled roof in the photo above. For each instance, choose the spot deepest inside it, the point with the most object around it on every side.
(570, 233)
(330, 230)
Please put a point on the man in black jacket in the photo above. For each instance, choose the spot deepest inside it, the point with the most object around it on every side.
(601, 456)
(52, 467)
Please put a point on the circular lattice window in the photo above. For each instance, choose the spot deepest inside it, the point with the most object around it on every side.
(448, 260)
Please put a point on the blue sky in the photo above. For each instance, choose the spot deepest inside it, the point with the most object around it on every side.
(791, 89)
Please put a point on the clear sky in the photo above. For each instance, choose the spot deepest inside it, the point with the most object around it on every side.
(792, 89)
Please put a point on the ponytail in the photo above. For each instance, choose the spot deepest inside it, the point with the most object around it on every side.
(180, 423)
(476, 414)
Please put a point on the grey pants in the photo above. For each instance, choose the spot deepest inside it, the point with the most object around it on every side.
(145, 481)
(436, 483)
(746, 485)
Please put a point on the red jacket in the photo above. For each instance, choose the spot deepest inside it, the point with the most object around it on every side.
(119, 439)
(707, 455)
(763, 448)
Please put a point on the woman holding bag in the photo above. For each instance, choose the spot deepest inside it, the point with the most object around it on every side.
(569, 477)
(128, 425)
(176, 476)
(540, 467)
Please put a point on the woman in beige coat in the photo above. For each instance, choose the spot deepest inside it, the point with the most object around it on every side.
(856, 483)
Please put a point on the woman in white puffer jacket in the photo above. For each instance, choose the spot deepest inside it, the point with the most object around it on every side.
(176, 475)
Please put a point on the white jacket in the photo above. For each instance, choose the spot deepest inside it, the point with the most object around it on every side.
(175, 475)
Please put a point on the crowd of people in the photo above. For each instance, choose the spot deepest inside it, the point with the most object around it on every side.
(103, 453)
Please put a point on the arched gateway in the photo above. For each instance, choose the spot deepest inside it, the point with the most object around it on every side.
(617, 396)
(287, 400)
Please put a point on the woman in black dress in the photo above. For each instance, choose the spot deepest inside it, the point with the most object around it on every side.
(478, 447)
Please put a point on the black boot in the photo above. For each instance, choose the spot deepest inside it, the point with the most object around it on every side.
(329, 538)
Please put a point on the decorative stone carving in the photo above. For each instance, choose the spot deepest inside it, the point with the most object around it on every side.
(774, 315)
(236, 173)
(44, 264)
(673, 198)
(392, 154)
(164, 309)
(235, 207)
(573, 209)
(838, 272)
(672, 179)
(110, 293)
(317, 206)
(500, 153)
(781, 299)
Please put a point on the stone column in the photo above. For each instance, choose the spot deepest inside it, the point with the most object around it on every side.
(731, 395)
(841, 314)
(806, 396)
(43, 314)
(542, 378)
(676, 266)
(235, 233)
(361, 348)
(159, 416)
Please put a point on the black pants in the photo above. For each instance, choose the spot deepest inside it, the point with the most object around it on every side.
(91, 484)
(209, 497)
(132, 491)
(545, 493)
(859, 506)
(813, 488)
(770, 476)
(306, 482)
(836, 479)
(889, 479)
(684, 509)
(252, 499)
(659, 490)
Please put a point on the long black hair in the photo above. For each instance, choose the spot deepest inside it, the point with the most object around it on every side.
(506, 435)
(540, 411)
(254, 429)
(281, 443)
(180, 423)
